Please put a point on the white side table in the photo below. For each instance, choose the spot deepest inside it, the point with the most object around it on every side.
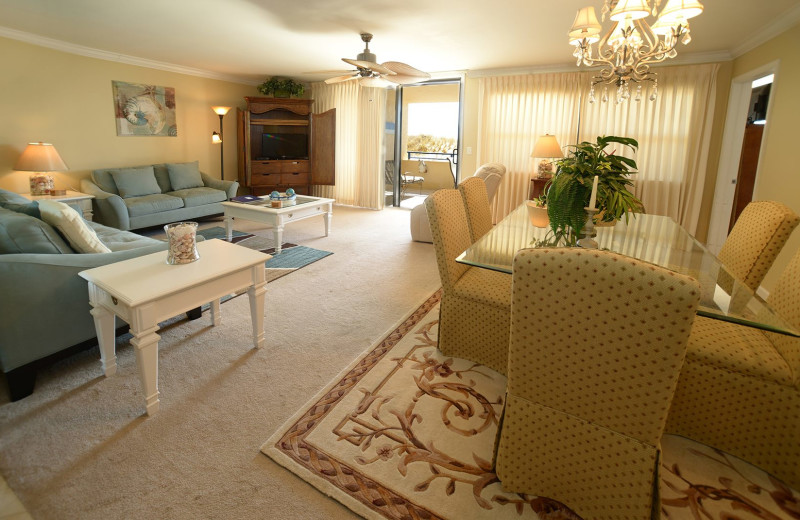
(83, 200)
(145, 291)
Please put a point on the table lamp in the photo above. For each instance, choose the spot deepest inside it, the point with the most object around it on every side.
(546, 148)
(41, 158)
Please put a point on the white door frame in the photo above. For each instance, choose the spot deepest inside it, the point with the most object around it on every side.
(731, 151)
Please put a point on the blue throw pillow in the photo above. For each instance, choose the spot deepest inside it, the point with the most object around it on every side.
(30, 208)
(136, 182)
(183, 176)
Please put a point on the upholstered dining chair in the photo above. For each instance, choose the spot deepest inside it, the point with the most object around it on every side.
(756, 239)
(597, 342)
(475, 309)
(739, 390)
(491, 173)
(476, 202)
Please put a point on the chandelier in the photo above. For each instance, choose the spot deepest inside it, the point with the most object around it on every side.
(631, 44)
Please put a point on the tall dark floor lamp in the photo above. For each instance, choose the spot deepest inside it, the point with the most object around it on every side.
(217, 138)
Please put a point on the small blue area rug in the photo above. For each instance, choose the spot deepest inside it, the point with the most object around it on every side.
(291, 258)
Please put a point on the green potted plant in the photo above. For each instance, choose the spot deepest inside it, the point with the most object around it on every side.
(568, 192)
(281, 87)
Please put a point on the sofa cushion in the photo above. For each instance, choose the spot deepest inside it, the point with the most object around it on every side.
(162, 177)
(136, 182)
(20, 233)
(149, 204)
(200, 196)
(117, 240)
(184, 175)
(71, 225)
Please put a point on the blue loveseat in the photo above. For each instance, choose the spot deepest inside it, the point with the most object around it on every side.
(152, 195)
(44, 308)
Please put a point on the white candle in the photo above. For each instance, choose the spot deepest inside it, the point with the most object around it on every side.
(593, 198)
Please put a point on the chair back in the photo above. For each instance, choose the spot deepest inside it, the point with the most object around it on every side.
(448, 222)
(596, 347)
(476, 203)
(492, 174)
(756, 239)
(600, 336)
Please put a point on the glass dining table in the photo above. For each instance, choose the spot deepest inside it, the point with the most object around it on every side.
(651, 238)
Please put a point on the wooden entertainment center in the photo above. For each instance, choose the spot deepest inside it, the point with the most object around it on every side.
(283, 145)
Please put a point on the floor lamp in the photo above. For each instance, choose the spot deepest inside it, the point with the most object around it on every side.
(217, 138)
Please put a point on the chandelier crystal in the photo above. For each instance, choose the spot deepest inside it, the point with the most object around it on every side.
(624, 53)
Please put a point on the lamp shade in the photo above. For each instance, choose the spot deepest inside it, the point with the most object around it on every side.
(547, 146)
(585, 24)
(676, 9)
(632, 9)
(215, 138)
(221, 111)
(40, 157)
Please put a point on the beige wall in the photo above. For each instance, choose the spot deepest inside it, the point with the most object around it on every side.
(65, 99)
(779, 169)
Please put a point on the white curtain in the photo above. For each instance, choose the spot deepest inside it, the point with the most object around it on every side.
(673, 132)
(513, 112)
(360, 122)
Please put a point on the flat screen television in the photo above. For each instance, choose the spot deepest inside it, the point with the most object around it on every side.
(284, 146)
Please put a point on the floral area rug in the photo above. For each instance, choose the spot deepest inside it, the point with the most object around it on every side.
(407, 433)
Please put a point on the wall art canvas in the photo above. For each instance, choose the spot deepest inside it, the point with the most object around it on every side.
(144, 109)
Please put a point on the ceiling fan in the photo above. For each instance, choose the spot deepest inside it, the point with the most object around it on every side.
(371, 74)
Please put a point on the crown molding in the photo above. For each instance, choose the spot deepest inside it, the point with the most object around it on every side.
(90, 52)
(786, 21)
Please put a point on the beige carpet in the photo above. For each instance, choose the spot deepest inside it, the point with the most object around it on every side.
(405, 432)
(80, 447)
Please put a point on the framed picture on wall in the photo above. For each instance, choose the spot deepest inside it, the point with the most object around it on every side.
(144, 109)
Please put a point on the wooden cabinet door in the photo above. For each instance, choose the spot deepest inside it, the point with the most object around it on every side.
(323, 148)
(243, 131)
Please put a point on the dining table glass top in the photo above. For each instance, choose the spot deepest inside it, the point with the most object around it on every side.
(651, 238)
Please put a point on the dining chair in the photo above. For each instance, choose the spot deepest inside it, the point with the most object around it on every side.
(597, 343)
(476, 201)
(475, 309)
(756, 239)
(739, 390)
(491, 173)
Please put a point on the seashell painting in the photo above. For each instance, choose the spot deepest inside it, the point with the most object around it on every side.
(144, 109)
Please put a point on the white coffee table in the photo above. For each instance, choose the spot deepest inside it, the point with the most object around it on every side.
(145, 291)
(277, 218)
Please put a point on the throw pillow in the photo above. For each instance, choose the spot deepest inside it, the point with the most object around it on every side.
(29, 208)
(71, 225)
(183, 176)
(136, 182)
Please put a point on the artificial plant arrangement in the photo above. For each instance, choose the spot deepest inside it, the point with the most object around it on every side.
(281, 87)
(568, 192)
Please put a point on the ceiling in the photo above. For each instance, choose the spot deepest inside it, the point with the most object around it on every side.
(250, 40)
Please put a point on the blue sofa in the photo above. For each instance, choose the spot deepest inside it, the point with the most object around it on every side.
(152, 195)
(44, 308)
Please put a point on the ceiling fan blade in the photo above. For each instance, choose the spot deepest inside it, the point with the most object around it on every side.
(339, 79)
(374, 67)
(404, 73)
(374, 81)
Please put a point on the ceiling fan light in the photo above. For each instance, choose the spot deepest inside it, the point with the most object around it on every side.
(632, 9)
(676, 9)
(585, 24)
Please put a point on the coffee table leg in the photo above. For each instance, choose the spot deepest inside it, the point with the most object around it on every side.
(229, 227)
(146, 344)
(104, 321)
(216, 317)
(256, 293)
(277, 233)
(328, 218)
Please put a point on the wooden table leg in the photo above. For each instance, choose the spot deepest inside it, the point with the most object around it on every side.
(229, 227)
(216, 316)
(257, 293)
(146, 344)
